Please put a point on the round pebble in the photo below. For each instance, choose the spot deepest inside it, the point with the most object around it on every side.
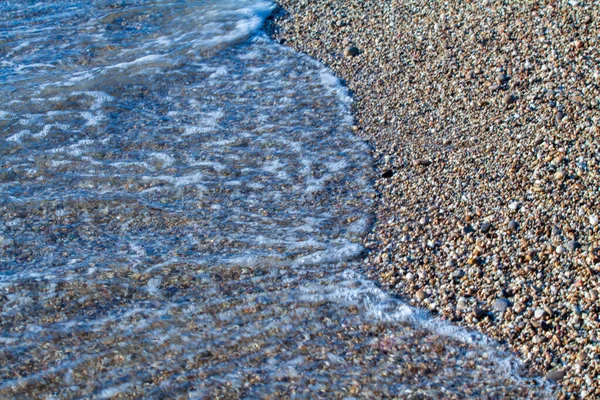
(501, 305)
(351, 51)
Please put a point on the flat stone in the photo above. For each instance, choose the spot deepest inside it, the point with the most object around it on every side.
(560, 250)
(420, 295)
(513, 225)
(539, 313)
(556, 375)
(593, 220)
(501, 305)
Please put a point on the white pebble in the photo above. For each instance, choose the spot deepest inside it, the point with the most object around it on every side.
(593, 220)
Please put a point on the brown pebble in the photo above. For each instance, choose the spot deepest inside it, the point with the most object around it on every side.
(556, 375)
(422, 162)
(509, 99)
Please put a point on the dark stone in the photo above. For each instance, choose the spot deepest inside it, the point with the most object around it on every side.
(468, 229)
(485, 227)
(387, 174)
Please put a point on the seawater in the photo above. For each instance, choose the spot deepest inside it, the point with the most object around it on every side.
(182, 209)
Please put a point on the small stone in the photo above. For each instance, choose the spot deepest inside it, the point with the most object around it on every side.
(514, 205)
(485, 227)
(351, 51)
(556, 375)
(539, 313)
(501, 78)
(501, 305)
(461, 303)
(387, 174)
(513, 225)
(560, 250)
(422, 162)
(556, 231)
(509, 99)
(559, 175)
(467, 229)
(480, 312)
(420, 295)
(494, 87)
(573, 245)
(593, 295)
(459, 273)
(593, 220)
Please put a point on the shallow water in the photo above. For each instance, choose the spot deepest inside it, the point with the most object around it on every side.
(182, 213)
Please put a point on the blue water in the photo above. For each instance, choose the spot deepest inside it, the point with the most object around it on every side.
(182, 211)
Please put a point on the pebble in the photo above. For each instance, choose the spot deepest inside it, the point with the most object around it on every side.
(513, 225)
(560, 249)
(593, 220)
(422, 162)
(351, 51)
(387, 174)
(501, 305)
(539, 313)
(485, 227)
(467, 229)
(509, 99)
(420, 295)
(556, 375)
(480, 312)
(573, 245)
(514, 205)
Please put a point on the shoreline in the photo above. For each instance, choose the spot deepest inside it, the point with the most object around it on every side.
(485, 129)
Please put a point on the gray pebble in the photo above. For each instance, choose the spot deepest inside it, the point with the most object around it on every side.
(485, 227)
(501, 305)
(573, 245)
(513, 225)
(556, 375)
(468, 229)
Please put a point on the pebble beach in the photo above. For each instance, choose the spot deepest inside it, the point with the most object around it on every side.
(484, 122)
